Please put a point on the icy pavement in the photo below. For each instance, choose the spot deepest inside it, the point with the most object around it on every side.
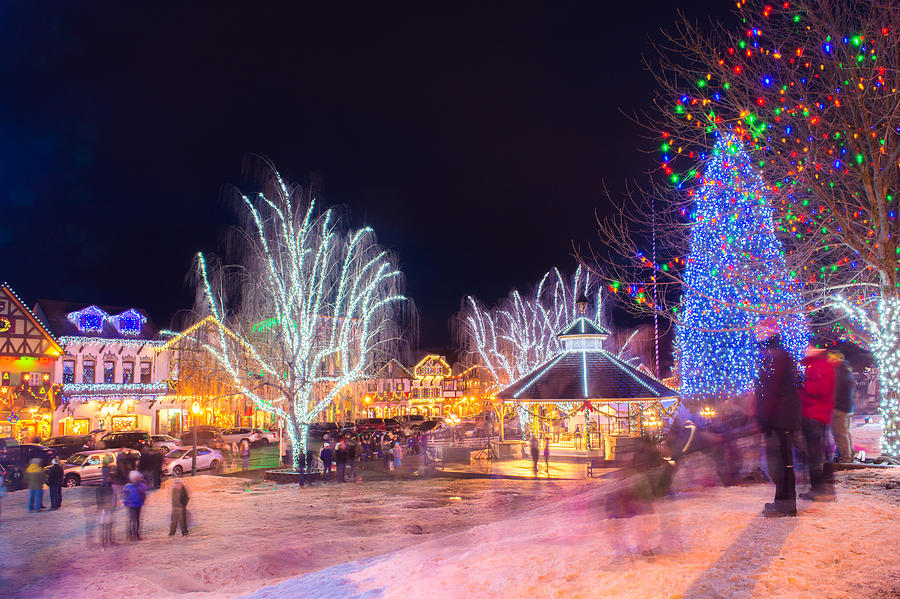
(473, 538)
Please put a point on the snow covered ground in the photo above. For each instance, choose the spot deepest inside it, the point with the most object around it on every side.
(472, 538)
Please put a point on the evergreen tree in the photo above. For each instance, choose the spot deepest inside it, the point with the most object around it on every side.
(735, 275)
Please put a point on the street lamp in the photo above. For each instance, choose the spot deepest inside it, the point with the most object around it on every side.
(195, 410)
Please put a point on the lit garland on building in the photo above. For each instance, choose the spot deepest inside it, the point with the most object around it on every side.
(85, 389)
(735, 274)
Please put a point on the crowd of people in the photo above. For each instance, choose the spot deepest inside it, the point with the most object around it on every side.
(340, 455)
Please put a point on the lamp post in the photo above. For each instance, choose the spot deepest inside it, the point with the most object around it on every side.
(195, 410)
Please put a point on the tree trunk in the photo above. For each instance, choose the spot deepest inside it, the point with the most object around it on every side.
(886, 347)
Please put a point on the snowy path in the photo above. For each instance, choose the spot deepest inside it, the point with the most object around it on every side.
(715, 544)
(473, 538)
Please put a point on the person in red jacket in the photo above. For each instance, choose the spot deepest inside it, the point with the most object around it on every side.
(817, 402)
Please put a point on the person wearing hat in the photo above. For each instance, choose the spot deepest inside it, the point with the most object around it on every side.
(55, 482)
(778, 416)
(326, 455)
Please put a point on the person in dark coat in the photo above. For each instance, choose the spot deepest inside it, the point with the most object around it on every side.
(535, 452)
(55, 482)
(843, 409)
(180, 498)
(340, 460)
(778, 416)
(133, 496)
(325, 455)
(817, 404)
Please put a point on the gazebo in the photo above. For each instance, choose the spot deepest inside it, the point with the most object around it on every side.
(616, 399)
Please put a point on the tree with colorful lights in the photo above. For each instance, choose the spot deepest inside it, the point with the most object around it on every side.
(307, 308)
(735, 272)
(811, 89)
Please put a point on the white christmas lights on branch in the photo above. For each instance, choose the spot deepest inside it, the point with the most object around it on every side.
(336, 294)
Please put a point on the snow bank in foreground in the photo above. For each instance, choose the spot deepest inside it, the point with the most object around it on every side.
(714, 544)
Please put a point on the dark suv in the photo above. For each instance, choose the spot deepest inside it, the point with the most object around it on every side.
(66, 445)
(15, 459)
(131, 439)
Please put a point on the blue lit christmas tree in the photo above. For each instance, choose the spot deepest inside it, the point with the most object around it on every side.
(735, 275)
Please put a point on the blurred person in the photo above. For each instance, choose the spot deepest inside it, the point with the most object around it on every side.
(145, 465)
(180, 498)
(398, 455)
(245, 455)
(648, 479)
(34, 482)
(55, 483)
(118, 479)
(157, 468)
(340, 460)
(778, 416)
(105, 516)
(235, 452)
(386, 451)
(547, 453)
(577, 437)
(534, 446)
(845, 384)
(326, 454)
(105, 471)
(817, 403)
(133, 496)
(351, 458)
(2, 490)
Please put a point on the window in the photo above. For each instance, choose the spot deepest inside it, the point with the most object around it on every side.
(87, 372)
(415, 393)
(68, 373)
(94, 460)
(127, 372)
(371, 386)
(398, 387)
(109, 372)
(145, 372)
(5, 381)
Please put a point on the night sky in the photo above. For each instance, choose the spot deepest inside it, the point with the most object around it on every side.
(475, 140)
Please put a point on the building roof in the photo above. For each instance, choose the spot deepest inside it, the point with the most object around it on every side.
(54, 348)
(585, 376)
(55, 315)
(397, 371)
(583, 326)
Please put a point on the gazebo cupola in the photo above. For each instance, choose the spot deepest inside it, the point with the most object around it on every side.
(583, 334)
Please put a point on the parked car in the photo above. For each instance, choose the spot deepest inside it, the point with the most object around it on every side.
(85, 467)
(164, 443)
(265, 436)
(15, 459)
(318, 430)
(425, 426)
(239, 435)
(129, 439)
(365, 425)
(66, 445)
(177, 461)
(208, 436)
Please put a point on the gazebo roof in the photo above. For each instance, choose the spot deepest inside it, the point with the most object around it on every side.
(593, 375)
(583, 326)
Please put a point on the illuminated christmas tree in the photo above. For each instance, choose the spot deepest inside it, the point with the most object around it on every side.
(735, 275)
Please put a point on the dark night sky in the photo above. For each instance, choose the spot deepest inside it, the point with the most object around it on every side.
(473, 139)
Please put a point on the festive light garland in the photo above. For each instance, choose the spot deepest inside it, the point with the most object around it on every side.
(77, 389)
(111, 341)
(735, 274)
(817, 108)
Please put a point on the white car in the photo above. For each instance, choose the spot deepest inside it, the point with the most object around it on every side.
(164, 443)
(178, 461)
(266, 437)
(239, 435)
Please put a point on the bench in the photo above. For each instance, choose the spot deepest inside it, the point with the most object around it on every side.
(599, 464)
